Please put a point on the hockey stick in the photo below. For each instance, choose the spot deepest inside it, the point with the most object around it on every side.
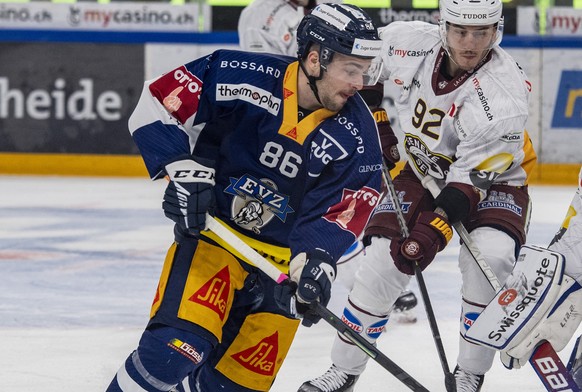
(544, 359)
(551, 370)
(450, 383)
(261, 263)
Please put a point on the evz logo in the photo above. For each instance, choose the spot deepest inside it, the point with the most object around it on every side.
(256, 202)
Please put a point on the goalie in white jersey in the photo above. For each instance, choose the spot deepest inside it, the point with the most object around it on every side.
(463, 107)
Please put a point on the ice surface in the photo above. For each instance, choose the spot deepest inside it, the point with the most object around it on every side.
(79, 263)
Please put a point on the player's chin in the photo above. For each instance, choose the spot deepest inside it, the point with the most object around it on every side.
(468, 64)
(469, 61)
(337, 104)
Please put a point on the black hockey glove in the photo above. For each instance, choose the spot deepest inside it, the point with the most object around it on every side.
(311, 276)
(190, 193)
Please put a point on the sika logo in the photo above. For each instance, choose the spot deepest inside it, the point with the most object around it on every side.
(262, 357)
(214, 293)
(507, 297)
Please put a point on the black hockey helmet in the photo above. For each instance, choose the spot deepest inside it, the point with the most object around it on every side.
(341, 28)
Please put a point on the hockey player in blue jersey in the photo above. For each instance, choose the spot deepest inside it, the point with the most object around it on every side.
(286, 155)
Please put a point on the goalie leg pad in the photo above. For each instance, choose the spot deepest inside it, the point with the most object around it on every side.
(526, 298)
(557, 327)
(347, 266)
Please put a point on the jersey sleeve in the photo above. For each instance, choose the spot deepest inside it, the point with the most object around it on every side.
(163, 122)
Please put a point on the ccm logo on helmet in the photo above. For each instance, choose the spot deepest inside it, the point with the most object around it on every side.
(317, 36)
(474, 16)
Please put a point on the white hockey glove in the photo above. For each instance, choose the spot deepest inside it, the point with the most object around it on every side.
(189, 194)
(311, 275)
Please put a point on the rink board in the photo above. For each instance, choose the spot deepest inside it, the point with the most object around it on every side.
(67, 119)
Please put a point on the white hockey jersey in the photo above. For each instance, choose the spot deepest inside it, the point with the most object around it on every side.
(470, 129)
(270, 26)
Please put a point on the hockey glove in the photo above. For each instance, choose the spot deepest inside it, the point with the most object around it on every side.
(388, 141)
(190, 194)
(430, 235)
(311, 276)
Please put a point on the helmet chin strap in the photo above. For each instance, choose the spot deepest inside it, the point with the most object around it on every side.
(312, 79)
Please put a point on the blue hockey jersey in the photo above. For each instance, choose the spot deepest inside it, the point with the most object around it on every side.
(284, 184)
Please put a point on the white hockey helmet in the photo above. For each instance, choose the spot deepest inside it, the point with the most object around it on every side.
(471, 13)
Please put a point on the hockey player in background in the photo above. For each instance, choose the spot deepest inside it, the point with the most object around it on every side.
(463, 109)
(270, 26)
(286, 155)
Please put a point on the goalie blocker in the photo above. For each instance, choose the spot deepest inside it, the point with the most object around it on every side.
(537, 303)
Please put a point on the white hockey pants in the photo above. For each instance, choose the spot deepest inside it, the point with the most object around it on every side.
(378, 284)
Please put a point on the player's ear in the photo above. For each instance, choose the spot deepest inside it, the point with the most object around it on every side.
(312, 62)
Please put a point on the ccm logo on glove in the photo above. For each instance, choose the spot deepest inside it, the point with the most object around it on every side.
(188, 170)
(190, 194)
